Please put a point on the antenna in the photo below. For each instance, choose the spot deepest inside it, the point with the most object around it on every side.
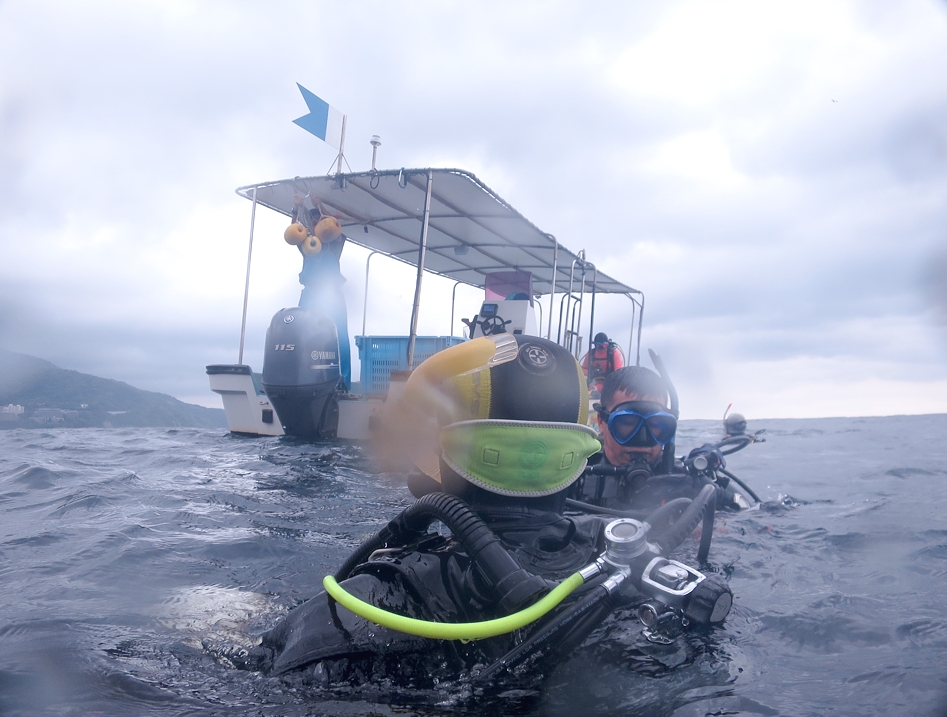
(376, 143)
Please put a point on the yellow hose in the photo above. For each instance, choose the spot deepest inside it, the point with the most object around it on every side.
(453, 631)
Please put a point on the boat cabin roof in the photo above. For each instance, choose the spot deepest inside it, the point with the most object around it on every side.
(472, 231)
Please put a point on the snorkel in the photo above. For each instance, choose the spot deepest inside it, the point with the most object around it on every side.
(667, 457)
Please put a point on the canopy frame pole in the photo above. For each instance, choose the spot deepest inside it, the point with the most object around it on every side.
(577, 322)
(365, 300)
(453, 298)
(540, 324)
(552, 291)
(592, 311)
(631, 330)
(640, 324)
(422, 249)
(563, 312)
(568, 306)
(246, 288)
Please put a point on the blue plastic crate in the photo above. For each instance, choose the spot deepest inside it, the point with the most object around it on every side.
(380, 355)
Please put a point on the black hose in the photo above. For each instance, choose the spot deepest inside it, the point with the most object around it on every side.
(365, 549)
(606, 470)
(590, 508)
(672, 392)
(729, 441)
(656, 517)
(513, 586)
(582, 617)
(707, 531)
(684, 526)
(667, 455)
(744, 486)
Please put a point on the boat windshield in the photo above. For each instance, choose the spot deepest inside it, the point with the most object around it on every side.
(503, 285)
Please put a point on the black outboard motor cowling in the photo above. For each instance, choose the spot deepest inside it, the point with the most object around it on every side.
(301, 371)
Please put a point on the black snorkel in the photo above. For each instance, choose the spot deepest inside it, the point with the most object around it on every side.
(667, 457)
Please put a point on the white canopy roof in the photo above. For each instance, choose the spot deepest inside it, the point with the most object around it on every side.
(472, 231)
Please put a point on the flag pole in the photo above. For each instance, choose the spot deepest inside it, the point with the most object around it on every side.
(341, 156)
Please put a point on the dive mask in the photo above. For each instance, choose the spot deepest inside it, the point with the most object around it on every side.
(518, 458)
(640, 423)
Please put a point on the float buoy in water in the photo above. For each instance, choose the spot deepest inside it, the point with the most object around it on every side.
(295, 234)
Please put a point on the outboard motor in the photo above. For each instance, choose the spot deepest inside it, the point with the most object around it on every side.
(301, 371)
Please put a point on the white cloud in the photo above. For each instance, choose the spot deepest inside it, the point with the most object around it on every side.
(702, 158)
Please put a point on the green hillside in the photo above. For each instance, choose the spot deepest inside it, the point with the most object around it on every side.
(89, 400)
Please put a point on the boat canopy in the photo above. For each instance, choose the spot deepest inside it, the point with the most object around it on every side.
(471, 231)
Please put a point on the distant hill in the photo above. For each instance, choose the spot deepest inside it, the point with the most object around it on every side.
(84, 400)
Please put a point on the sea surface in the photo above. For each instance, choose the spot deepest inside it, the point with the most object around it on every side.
(123, 552)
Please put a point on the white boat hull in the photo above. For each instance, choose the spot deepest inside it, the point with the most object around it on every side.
(248, 409)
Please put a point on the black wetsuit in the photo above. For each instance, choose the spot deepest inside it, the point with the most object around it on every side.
(431, 579)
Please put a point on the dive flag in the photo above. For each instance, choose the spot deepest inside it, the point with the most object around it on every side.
(323, 121)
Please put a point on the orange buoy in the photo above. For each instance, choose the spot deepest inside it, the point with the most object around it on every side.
(311, 245)
(295, 234)
(328, 229)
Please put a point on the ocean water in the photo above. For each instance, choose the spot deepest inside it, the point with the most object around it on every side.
(122, 552)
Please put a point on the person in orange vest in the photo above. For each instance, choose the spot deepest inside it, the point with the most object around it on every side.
(606, 358)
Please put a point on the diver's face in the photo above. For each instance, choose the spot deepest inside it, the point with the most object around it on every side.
(617, 454)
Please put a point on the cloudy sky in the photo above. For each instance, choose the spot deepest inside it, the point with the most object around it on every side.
(772, 175)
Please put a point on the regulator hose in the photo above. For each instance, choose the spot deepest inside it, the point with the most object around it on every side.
(453, 631)
(744, 486)
(363, 551)
(590, 508)
(707, 531)
(684, 526)
(732, 444)
(657, 517)
(667, 455)
(513, 587)
(580, 620)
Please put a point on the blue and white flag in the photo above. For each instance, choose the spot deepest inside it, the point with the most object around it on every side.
(323, 121)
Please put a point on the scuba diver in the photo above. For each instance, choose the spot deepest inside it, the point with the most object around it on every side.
(508, 578)
(601, 361)
(636, 469)
(320, 241)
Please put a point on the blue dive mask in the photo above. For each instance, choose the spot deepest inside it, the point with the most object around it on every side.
(626, 420)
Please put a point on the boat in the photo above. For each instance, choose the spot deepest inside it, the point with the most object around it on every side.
(445, 222)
